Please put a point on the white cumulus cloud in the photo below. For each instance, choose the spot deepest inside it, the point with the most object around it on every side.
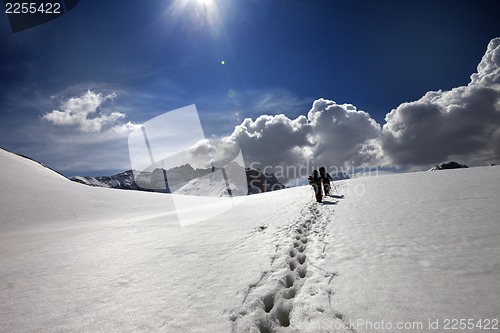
(331, 134)
(460, 124)
(343, 135)
(85, 113)
(274, 140)
(126, 128)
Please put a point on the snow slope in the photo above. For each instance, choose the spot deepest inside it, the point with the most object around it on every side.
(33, 196)
(397, 248)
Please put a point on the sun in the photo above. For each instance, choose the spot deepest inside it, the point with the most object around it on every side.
(205, 3)
(197, 15)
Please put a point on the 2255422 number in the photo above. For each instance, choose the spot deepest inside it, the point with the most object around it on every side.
(471, 324)
(32, 8)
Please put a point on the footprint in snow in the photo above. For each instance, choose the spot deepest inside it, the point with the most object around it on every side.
(302, 271)
(301, 258)
(289, 293)
(289, 280)
(292, 264)
(268, 302)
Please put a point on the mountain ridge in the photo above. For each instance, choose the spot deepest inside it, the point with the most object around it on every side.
(178, 177)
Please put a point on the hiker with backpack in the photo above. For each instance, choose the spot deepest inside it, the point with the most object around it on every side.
(315, 182)
(325, 178)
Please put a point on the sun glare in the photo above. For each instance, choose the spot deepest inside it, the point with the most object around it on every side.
(205, 3)
(200, 13)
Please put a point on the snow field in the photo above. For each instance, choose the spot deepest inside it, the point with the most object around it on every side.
(418, 247)
(421, 247)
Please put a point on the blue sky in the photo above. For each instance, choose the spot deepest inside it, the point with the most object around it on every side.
(148, 57)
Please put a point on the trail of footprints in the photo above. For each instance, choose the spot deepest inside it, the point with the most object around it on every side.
(291, 283)
(262, 312)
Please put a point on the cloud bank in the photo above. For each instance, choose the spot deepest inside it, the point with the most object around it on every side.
(462, 124)
(331, 134)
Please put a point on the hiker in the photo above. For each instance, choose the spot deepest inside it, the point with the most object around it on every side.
(315, 181)
(326, 178)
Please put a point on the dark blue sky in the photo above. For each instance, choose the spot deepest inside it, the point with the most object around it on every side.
(279, 57)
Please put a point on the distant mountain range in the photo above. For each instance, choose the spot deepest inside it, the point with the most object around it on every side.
(187, 180)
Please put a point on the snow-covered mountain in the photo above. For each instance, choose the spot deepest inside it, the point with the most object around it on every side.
(405, 252)
(124, 180)
(187, 180)
(448, 165)
(144, 180)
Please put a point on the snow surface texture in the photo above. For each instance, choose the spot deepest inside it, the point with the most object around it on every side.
(398, 248)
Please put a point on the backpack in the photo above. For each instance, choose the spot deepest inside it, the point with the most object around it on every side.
(314, 178)
(322, 171)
